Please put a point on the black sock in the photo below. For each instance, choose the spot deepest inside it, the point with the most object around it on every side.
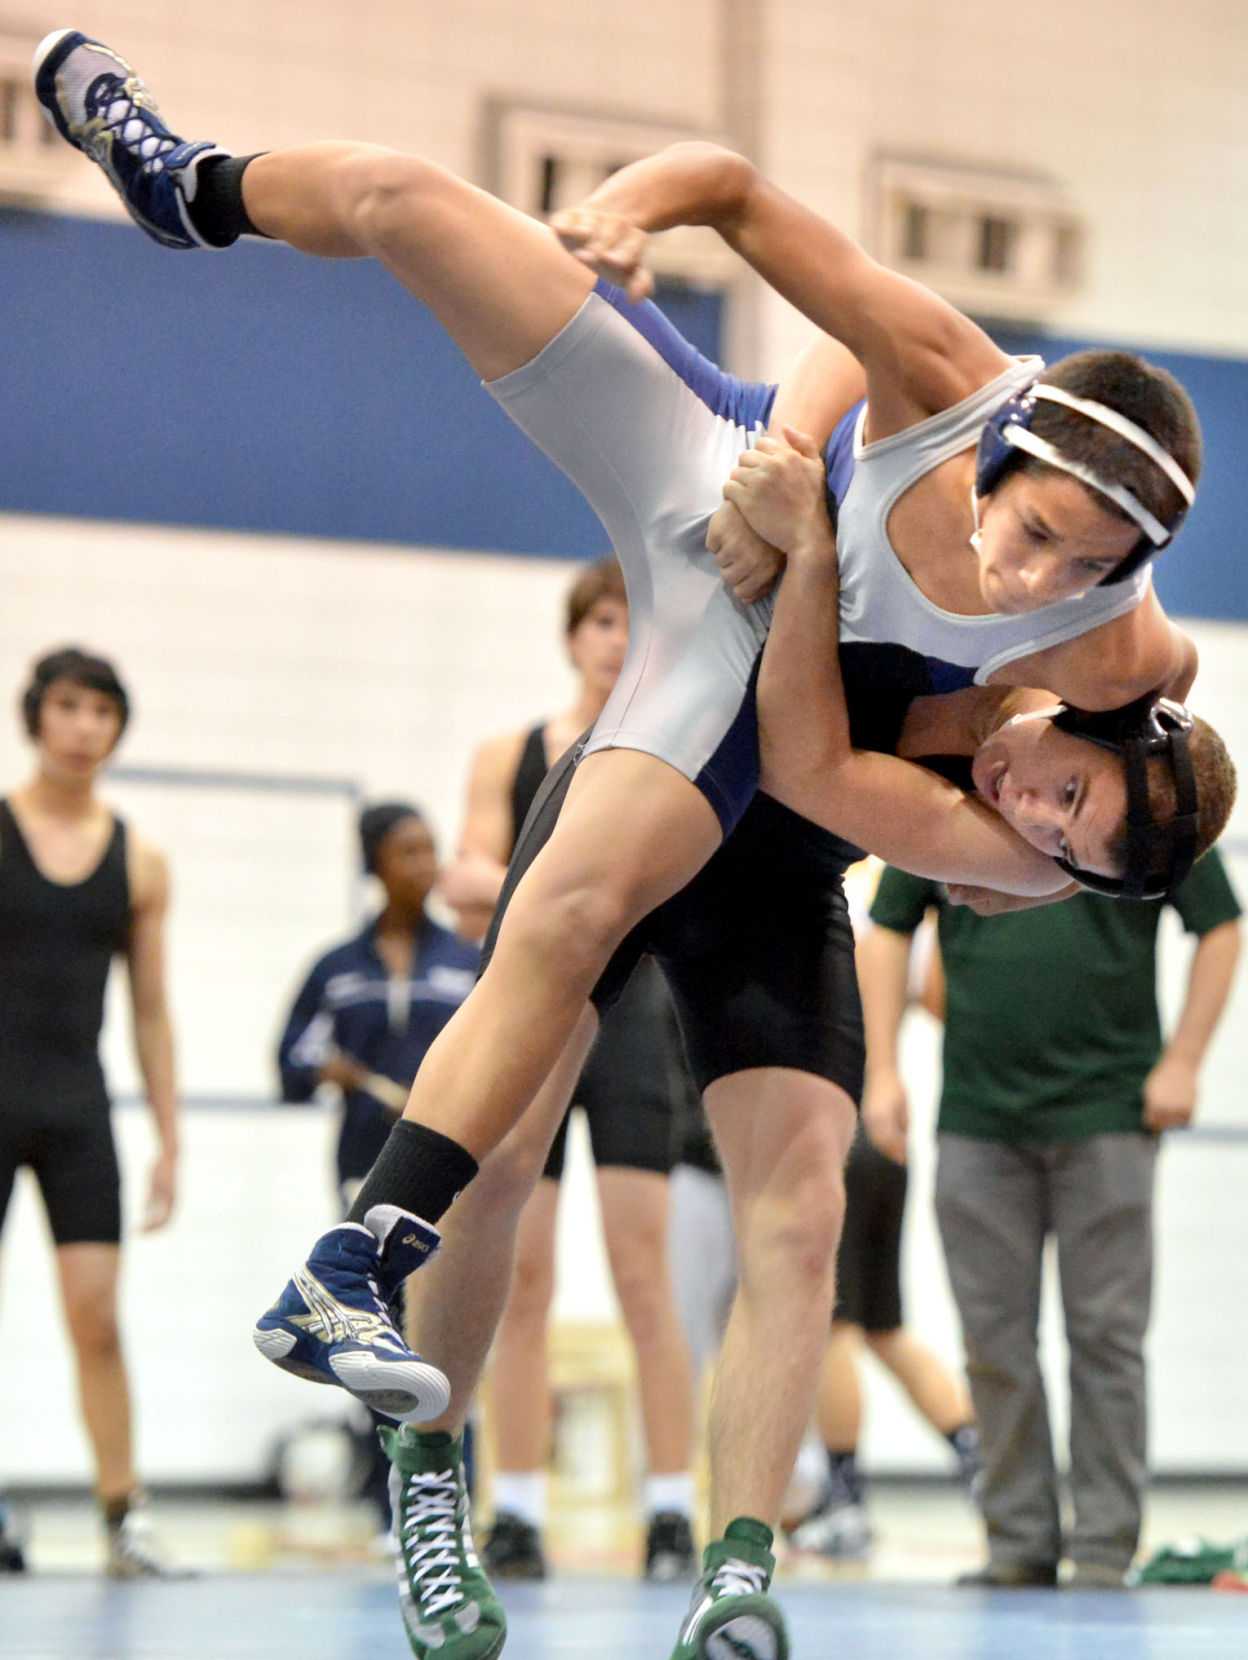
(217, 210)
(965, 1442)
(420, 1170)
(845, 1478)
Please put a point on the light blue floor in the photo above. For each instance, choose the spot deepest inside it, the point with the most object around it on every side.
(344, 1617)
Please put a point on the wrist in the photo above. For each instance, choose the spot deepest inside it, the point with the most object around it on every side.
(1176, 1055)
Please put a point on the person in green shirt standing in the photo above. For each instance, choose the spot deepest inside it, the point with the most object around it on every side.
(1057, 1086)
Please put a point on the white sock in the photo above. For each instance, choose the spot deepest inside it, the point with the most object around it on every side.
(521, 1493)
(669, 1493)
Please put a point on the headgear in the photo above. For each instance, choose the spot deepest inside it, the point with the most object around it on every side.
(1007, 439)
(1159, 855)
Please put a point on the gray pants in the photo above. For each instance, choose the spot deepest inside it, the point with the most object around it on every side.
(996, 1203)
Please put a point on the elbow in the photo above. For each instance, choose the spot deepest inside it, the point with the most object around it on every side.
(727, 180)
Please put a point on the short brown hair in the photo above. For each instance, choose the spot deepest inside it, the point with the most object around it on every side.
(1216, 784)
(1145, 394)
(602, 580)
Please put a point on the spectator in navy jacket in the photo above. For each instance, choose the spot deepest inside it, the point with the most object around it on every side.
(370, 1007)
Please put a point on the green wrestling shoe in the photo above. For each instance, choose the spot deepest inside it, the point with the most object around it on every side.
(449, 1608)
(731, 1616)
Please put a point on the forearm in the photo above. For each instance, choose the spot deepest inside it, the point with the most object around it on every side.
(883, 961)
(1208, 986)
(803, 722)
(153, 1043)
(686, 184)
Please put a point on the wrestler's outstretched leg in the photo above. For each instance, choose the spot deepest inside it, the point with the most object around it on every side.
(633, 829)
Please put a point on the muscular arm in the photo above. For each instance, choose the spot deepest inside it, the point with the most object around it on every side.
(907, 815)
(920, 354)
(153, 1029)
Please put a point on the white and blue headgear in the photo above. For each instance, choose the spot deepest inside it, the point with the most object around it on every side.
(1007, 439)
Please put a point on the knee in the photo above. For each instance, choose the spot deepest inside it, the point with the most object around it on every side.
(795, 1238)
(387, 194)
(572, 928)
(645, 1296)
(94, 1330)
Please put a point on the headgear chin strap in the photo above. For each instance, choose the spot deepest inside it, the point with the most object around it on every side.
(1159, 856)
(1007, 437)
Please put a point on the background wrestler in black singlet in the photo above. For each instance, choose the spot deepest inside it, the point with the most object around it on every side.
(77, 890)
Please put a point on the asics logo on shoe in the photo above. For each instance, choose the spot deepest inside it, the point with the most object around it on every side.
(695, 1617)
(333, 1322)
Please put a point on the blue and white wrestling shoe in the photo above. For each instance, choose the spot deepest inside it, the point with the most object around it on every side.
(332, 1323)
(99, 105)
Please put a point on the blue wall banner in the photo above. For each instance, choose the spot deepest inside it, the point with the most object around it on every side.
(262, 391)
(268, 392)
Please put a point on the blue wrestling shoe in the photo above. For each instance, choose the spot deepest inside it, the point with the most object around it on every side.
(99, 105)
(332, 1323)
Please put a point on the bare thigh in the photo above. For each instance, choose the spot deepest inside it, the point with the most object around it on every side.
(497, 280)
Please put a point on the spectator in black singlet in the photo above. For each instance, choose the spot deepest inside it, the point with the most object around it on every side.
(626, 1091)
(77, 888)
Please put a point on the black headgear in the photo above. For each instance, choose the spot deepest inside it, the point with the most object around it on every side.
(1007, 439)
(80, 667)
(1159, 856)
(376, 823)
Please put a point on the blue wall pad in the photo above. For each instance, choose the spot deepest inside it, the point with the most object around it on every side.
(260, 390)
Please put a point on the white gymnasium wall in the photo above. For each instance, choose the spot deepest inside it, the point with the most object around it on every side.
(257, 74)
(1135, 106)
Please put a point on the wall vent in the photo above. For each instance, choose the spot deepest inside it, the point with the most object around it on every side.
(997, 244)
(541, 158)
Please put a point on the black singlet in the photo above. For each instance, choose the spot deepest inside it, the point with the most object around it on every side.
(57, 942)
(758, 948)
(530, 770)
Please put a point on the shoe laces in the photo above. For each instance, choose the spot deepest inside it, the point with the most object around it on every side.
(737, 1578)
(429, 1539)
(125, 114)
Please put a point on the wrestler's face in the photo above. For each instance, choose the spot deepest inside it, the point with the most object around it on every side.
(1043, 538)
(78, 729)
(598, 643)
(407, 863)
(1063, 794)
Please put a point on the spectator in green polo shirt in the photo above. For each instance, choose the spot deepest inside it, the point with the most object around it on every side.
(1056, 1087)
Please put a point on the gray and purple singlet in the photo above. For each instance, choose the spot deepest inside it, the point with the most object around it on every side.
(648, 430)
